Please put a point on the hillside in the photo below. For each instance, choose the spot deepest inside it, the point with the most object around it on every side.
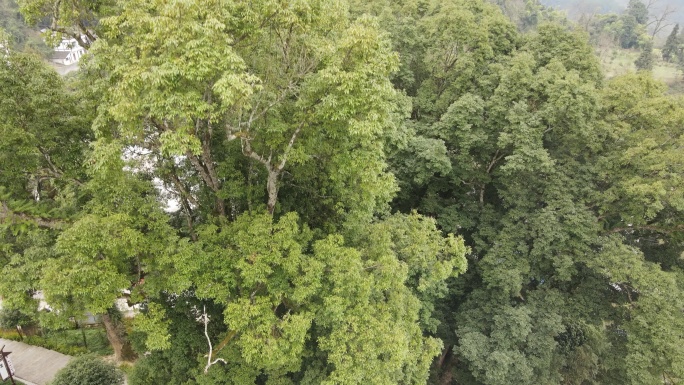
(24, 38)
(576, 8)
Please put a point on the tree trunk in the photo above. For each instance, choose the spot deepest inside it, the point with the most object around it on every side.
(272, 189)
(85, 341)
(446, 364)
(115, 334)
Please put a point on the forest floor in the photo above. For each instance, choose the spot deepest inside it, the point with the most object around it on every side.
(620, 61)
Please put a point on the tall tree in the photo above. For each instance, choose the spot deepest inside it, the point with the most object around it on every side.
(648, 214)
(517, 161)
(629, 31)
(671, 45)
(289, 112)
(234, 109)
(638, 10)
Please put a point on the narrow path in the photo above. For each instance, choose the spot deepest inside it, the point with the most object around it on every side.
(34, 365)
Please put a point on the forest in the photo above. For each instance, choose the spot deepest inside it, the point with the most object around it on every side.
(346, 192)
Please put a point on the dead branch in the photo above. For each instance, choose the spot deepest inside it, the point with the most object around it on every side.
(204, 318)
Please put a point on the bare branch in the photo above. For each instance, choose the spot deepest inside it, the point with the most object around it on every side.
(247, 151)
(204, 318)
(289, 147)
(54, 170)
(273, 171)
(661, 22)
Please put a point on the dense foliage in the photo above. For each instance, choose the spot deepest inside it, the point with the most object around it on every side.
(371, 192)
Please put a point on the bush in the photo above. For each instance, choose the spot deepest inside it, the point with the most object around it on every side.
(88, 370)
(10, 318)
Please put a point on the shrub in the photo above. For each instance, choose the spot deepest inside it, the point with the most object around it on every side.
(10, 318)
(88, 370)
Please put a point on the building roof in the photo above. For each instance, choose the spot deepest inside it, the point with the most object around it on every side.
(59, 55)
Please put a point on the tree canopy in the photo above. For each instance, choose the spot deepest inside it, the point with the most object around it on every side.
(333, 192)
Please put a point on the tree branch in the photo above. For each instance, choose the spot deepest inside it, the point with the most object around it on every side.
(207, 158)
(289, 146)
(91, 36)
(494, 160)
(208, 176)
(204, 318)
(185, 198)
(75, 35)
(199, 167)
(225, 341)
(247, 151)
(6, 214)
(56, 172)
(273, 171)
(182, 190)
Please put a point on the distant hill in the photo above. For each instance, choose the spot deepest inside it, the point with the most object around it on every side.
(24, 37)
(575, 8)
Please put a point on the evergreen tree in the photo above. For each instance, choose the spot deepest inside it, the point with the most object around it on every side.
(638, 10)
(645, 60)
(671, 47)
(629, 32)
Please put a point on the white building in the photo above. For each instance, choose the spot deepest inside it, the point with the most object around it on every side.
(67, 52)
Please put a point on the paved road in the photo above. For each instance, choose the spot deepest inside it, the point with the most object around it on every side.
(62, 69)
(34, 365)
